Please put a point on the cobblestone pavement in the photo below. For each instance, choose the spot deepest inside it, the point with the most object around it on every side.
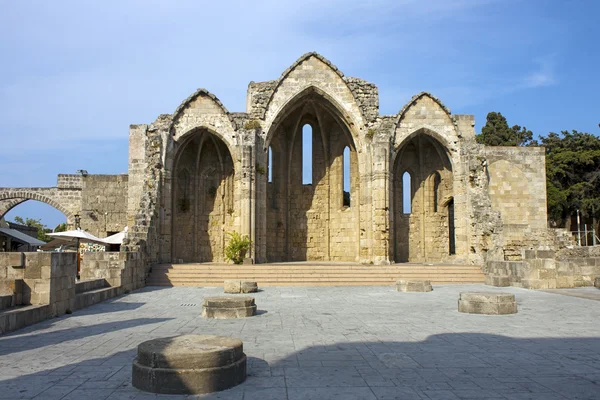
(324, 342)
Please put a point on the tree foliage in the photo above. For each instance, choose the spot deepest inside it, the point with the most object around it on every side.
(60, 227)
(572, 174)
(572, 165)
(496, 132)
(42, 230)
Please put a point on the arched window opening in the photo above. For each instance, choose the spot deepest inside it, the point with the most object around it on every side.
(451, 229)
(346, 176)
(437, 180)
(270, 165)
(307, 155)
(406, 193)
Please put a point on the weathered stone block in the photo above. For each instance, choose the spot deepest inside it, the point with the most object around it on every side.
(248, 287)
(189, 364)
(232, 286)
(497, 280)
(597, 282)
(224, 307)
(489, 303)
(413, 286)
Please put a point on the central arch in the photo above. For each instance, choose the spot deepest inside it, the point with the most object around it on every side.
(310, 221)
(423, 200)
(202, 198)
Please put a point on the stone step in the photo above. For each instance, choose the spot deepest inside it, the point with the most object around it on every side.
(301, 283)
(311, 274)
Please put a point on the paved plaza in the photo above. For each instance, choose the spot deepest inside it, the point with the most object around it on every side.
(325, 342)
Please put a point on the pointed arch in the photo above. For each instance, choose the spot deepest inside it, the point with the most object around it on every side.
(198, 94)
(313, 93)
(413, 101)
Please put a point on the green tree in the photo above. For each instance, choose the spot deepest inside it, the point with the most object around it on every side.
(61, 227)
(496, 132)
(572, 174)
(42, 230)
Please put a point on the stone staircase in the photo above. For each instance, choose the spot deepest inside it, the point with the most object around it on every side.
(311, 274)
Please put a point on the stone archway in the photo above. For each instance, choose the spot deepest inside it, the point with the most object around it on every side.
(306, 217)
(423, 203)
(51, 196)
(202, 198)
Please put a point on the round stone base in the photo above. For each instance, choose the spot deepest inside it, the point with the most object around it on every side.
(189, 364)
(489, 303)
(224, 307)
(413, 286)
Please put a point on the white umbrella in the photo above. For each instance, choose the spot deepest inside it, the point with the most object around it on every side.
(77, 235)
(117, 238)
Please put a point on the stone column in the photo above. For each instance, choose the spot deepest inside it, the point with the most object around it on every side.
(247, 182)
(380, 192)
(137, 166)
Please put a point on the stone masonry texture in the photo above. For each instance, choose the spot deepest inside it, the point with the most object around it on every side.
(202, 172)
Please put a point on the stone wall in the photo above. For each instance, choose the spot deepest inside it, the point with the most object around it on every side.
(517, 189)
(104, 204)
(125, 270)
(44, 281)
(547, 269)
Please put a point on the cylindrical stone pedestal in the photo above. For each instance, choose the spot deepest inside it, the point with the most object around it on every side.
(413, 286)
(189, 364)
(489, 303)
(224, 307)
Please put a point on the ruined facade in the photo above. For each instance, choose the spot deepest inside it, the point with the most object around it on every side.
(420, 189)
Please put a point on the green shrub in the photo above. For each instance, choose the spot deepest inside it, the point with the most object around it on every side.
(237, 247)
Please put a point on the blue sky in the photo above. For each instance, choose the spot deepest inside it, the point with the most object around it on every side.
(74, 75)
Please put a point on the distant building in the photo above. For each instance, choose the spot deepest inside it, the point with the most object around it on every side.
(16, 237)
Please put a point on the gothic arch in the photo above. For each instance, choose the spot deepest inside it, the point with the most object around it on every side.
(439, 122)
(426, 233)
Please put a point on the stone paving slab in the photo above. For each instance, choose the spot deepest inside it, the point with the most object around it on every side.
(590, 293)
(324, 343)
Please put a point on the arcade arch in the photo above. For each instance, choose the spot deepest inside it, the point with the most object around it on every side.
(423, 230)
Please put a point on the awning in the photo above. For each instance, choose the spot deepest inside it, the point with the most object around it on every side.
(21, 237)
(117, 238)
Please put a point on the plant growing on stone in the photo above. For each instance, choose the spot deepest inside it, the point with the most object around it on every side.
(254, 124)
(370, 133)
(237, 247)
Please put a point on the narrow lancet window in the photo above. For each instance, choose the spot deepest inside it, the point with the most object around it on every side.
(307, 155)
(346, 176)
(437, 180)
(270, 164)
(406, 193)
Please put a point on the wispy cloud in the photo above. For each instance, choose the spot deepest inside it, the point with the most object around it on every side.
(544, 75)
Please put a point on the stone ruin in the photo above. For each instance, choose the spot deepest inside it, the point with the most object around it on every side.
(203, 171)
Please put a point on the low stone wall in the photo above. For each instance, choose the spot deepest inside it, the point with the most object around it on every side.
(119, 269)
(37, 279)
(92, 284)
(545, 269)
